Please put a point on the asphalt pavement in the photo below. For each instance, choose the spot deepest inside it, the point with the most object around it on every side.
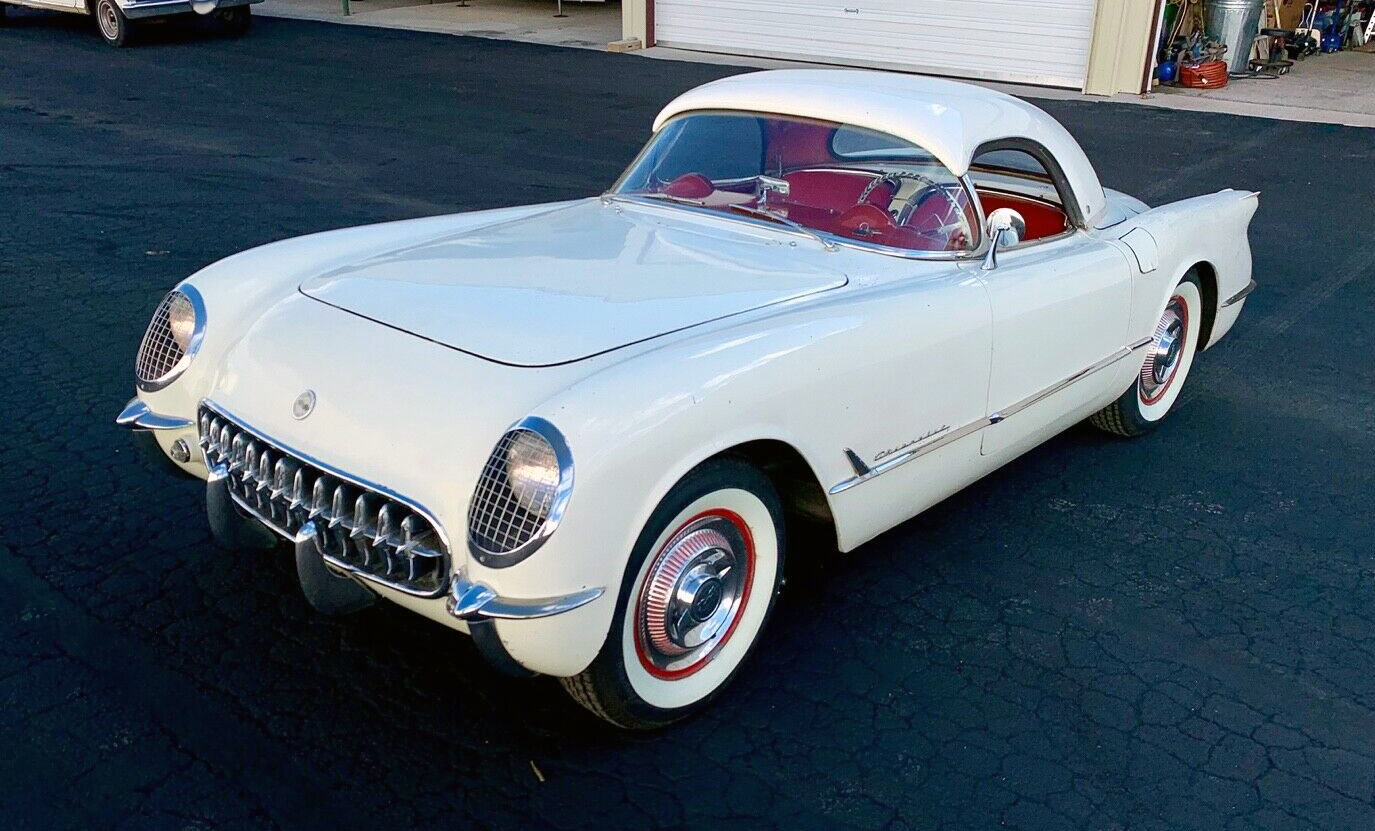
(1169, 633)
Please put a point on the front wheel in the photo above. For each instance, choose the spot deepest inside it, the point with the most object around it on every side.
(1169, 356)
(700, 583)
(234, 21)
(110, 21)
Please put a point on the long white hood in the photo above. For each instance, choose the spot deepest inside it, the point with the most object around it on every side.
(576, 280)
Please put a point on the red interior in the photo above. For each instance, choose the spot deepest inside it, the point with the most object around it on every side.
(1042, 218)
(828, 200)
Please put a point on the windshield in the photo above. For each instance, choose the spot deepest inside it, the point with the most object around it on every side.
(817, 176)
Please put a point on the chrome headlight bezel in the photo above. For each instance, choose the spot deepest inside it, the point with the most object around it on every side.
(160, 322)
(495, 506)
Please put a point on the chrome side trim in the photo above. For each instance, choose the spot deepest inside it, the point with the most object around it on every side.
(1240, 296)
(913, 452)
(137, 416)
(477, 601)
(1035, 398)
(975, 426)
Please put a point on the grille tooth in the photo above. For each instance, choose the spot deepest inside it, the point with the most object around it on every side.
(281, 478)
(250, 460)
(319, 497)
(236, 452)
(298, 490)
(384, 525)
(338, 507)
(361, 529)
(266, 471)
(363, 510)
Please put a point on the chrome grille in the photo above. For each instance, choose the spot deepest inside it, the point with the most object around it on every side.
(502, 520)
(159, 354)
(361, 529)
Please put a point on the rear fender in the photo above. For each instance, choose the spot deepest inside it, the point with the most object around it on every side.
(1208, 229)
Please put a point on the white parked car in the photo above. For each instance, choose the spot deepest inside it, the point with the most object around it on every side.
(581, 432)
(116, 19)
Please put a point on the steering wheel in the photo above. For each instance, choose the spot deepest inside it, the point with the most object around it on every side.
(947, 227)
(949, 222)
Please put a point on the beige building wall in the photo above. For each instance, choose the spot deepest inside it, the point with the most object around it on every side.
(634, 23)
(1123, 31)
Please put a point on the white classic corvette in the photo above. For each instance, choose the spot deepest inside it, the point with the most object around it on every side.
(579, 431)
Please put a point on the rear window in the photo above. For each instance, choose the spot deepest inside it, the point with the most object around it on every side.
(849, 142)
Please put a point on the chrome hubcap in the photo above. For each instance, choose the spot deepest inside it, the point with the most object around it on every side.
(693, 594)
(1162, 360)
(109, 24)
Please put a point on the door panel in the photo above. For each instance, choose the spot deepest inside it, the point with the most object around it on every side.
(916, 374)
(1059, 308)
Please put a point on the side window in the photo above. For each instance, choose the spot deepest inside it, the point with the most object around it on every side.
(1013, 178)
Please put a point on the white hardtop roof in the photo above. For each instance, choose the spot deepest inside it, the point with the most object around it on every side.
(946, 118)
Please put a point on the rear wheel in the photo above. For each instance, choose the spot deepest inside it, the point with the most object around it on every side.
(110, 21)
(1169, 356)
(699, 586)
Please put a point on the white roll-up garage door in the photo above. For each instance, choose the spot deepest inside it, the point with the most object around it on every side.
(1028, 41)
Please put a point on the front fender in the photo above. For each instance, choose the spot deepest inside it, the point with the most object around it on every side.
(241, 288)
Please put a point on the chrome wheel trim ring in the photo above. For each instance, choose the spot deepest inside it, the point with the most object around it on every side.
(1166, 350)
(693, 595)
(107, 17)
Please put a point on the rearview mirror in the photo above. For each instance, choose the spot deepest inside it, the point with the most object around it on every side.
(1005, 228)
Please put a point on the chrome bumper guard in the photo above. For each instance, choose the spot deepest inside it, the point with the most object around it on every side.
(137, 416)
(476, 601)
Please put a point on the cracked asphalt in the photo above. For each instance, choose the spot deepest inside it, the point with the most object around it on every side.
(1169, 633)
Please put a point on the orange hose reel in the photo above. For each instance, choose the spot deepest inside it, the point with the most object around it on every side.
(1208, 74)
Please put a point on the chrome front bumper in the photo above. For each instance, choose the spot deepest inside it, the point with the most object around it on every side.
(237, 526)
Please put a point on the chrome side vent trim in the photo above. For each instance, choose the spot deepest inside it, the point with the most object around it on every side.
(361, 529)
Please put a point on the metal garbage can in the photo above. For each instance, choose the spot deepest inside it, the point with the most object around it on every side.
(1235, 23)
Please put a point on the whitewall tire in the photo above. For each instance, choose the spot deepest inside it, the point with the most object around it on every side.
(1166, 364)
(698, 588)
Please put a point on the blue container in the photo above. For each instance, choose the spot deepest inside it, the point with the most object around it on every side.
(1166, 71)
(1331, 43)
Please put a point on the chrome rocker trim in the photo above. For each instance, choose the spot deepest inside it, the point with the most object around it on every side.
(989, 420)
(137, 416)
(1240, 296)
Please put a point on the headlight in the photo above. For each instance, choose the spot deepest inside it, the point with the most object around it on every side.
(173, 336)
(521, 494)
(531, 471)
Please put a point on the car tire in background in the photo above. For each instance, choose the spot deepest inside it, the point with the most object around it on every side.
(234, 21)
(698, 588)
(110, 22)
(1169, 357)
